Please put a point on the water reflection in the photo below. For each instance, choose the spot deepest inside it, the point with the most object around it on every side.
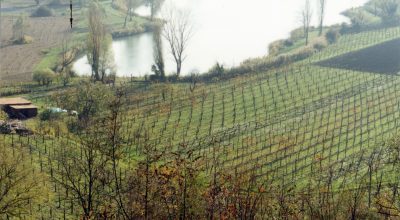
(227, 31)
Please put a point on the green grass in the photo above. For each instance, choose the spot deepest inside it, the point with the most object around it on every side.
(50, 59)
(280, 120)
(284, 123)
(300, 43)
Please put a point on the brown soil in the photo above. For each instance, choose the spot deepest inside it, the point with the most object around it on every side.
(18, 61)
(382, 58)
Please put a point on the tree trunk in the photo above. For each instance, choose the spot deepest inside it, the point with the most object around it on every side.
(178, 68)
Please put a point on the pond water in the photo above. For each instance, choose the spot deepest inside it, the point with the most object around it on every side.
(225, 31)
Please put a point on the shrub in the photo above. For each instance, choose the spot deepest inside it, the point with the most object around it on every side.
(301, 54)
(387, 10)
(44, 77)
(268, 62)
(25, 39)
(297, 34)
(217, 70)
(19, 28)
(319, 43)
(5, 129)
(359, 19)
(288, 43)
(72, 73)
(48, 115)
(332, 36)
(275, 47)
(345, 29)
(43, 11)
(3, 116)
(118, 5)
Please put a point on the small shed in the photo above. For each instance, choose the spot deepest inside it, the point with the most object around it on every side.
(18, 108)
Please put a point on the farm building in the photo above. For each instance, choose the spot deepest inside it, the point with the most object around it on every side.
(18, 108)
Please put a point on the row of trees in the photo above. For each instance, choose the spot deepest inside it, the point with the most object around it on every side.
(99, 51)
(307, 14)
(176, 29)
(387, 10)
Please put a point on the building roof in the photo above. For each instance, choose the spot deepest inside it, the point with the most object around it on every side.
(23, 107)
(14, 101)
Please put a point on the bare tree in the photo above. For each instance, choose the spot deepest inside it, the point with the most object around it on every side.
(177, 30)
(306, 15)
(98, 43)
(154, 6)
(159, 65)
(84, 172)
(321, 14)
(106, 60)
(20, 186)
(67, 53)
(130, 6)
(19, 27)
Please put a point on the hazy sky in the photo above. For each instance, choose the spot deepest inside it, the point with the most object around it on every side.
(232, 30)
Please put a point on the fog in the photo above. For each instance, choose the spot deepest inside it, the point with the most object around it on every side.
(225, 31)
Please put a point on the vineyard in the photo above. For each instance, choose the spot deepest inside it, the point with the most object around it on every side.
(282, 124)
(281, 121)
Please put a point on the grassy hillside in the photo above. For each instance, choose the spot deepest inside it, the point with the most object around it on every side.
(288, 126)
(284, 124)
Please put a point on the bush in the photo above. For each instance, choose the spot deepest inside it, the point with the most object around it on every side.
(44, 77)
(288, 43)
(387, 10)
(302, 54)
(19, 28)
(297, 34)
(332, 36)
(25, 39)
(275, 47)
(118, 5)
(48, 115)
(345, 29)
(5, 129)
(3, 116)
(43, 11)
(359, 19)
(319, 43)
(268, 62)
(217, 70)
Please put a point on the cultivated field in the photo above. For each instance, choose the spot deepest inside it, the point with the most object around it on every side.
(286, 125)
(18, 61)
(382, 58)
(280, 123)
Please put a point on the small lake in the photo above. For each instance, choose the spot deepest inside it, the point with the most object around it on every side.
(226, 31)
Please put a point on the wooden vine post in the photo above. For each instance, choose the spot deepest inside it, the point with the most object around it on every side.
(71, 19)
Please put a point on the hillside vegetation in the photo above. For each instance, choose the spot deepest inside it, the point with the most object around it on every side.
(316, 138)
